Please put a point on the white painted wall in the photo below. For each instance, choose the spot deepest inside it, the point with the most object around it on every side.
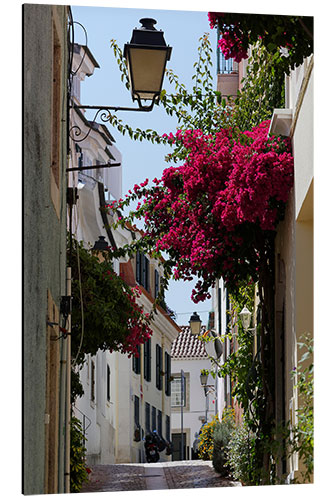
(194, 415)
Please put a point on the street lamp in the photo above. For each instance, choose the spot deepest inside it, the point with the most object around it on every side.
(203, 379)
(101, 245)
(245, 317)
(146, 56)
(208, 389)
(195, 324)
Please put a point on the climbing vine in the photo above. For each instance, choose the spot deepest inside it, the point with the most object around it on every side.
(288, 38)
(106, 314)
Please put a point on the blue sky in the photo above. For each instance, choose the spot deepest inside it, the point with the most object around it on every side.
(141, 160)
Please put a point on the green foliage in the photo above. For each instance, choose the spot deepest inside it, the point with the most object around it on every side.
(78, 472)
(203, 107)
(242, 455)
(243, 368)
(76, 386)
(294, 33)
(206, 442)
(302, 434)
(109, 308)
(221, 437)
(262, 91)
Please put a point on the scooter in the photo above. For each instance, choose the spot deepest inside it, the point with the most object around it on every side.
(151, 449)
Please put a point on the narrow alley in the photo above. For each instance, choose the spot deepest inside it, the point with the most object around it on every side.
(159, 476)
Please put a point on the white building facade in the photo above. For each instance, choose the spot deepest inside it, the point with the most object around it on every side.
(194, 408)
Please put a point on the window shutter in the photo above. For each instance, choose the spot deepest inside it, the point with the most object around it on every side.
(138, 267)
(157, 366)
(108, 383)
(167, 374)
(153, 418)
(136, 411)
(157, 283)
(147, 423)
(167, 428)
(145, 272)
(159, 423)
(147, 360)
(137, 362)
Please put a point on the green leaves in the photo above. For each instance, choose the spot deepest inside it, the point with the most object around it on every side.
(301, 439)
(105, 314)
(78, 472)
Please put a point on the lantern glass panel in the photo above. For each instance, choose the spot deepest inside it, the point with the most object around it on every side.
(146, 69)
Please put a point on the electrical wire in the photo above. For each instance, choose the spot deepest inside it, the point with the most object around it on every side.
(81, 301)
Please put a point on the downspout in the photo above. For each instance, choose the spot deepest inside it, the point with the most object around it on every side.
(164, 378)
(142, 453)
(62, 406)
(68, 392)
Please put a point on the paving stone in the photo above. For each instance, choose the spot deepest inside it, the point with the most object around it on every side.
(162, 475)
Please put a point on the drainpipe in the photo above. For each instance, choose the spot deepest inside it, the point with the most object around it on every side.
(62, 406)
(142, 399)
(68, 391)
(163, 369)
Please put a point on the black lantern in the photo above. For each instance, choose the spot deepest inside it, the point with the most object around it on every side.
(195, 324)
(101, 245)
(146, 57)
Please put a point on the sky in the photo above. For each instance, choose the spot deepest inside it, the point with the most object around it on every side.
(141, 160)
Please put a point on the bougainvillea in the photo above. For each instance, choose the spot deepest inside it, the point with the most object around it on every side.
(211, 214)
(106, 314)
(290, 38)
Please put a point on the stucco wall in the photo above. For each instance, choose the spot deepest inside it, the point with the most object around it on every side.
(44, 233)
(194, 412)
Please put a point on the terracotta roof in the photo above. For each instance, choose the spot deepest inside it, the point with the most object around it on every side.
(187, 345)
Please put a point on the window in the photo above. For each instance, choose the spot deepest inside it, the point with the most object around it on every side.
(224, 65)
(80, 155)
(147, 360)
(137, 362)
(147, 418)
(108, 383)
(136, 411)
(92, 375)
(159, 423)
(153, 418)
(157, 283)
(159, 367)
(167, 374)
(167, 428)
(142, 270)
(176, 392)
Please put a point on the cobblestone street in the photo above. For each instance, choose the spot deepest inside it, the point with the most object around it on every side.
(165, 475)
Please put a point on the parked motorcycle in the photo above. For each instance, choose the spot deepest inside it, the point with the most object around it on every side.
(151, 448)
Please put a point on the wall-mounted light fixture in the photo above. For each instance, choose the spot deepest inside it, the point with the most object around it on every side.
(195, 324)
(245, 316)
(208, 389)
(101, 245)
(146, 56)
